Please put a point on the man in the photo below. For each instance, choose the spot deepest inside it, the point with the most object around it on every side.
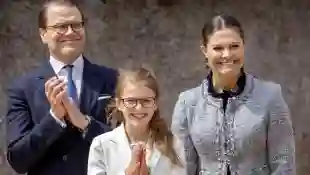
(43, 137)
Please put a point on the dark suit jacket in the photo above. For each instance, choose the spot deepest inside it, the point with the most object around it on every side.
(37, 144)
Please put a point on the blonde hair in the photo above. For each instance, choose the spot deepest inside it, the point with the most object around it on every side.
(160, 133)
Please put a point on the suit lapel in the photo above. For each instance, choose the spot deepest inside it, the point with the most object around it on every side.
(44, 73)
(90, 88)
(123, 147)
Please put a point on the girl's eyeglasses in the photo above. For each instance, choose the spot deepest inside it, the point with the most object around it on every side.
(147, 102)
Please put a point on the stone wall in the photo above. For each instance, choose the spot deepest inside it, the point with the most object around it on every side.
(166, 34)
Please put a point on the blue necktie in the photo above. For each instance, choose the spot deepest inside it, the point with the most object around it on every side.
(72, 91)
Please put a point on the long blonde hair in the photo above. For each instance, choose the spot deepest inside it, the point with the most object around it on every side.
(160, 133)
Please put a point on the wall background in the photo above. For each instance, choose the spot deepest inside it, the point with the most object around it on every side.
(166, 34)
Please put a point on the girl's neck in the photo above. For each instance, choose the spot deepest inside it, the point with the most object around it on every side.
(137, 134)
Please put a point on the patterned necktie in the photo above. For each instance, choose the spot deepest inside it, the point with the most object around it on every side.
(72, 91)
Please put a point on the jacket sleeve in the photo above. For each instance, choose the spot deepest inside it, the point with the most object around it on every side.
(27, 141)
(281, 145)
(179, 148)
(96, 160)
(95, 128)
(180, 128)
(96, 163)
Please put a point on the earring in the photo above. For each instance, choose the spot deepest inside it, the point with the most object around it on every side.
(206, 63)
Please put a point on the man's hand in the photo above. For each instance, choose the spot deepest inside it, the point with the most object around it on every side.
(54, 90)
(74, 114)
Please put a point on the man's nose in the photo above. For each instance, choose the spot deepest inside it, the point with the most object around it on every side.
(69, 30)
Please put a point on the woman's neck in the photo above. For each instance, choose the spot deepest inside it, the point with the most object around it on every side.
(221, 82)
(137, 134)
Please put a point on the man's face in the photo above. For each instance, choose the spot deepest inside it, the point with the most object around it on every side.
(64, 33)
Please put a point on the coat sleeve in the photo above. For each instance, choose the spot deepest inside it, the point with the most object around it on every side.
(281, 145)
(27, 141)
(180, 128)
(95, 128)
(179, 148)
(96, 163)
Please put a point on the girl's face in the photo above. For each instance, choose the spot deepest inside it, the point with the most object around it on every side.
(137, 104)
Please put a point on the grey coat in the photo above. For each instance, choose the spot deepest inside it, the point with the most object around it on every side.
(260, 135)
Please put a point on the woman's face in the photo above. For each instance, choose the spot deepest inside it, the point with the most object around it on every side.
(137, 104)
(225, 52)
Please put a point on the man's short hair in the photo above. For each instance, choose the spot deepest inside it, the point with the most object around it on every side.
(42, 14)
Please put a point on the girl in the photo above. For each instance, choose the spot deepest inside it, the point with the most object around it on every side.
(142, 144)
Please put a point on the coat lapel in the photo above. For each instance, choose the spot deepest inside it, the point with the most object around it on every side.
(90, 89)
(44, 73)
(125, 150)
(122, 139)
(123, 147)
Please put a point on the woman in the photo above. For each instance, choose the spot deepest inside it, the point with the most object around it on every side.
(233, 123)
(142, 144)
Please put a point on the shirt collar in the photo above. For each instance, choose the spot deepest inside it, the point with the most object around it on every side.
(234, 92)
(58, 65)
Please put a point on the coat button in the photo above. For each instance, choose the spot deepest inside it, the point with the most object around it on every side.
(64, 158)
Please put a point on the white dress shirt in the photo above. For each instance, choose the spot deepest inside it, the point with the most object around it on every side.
(77, 76)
